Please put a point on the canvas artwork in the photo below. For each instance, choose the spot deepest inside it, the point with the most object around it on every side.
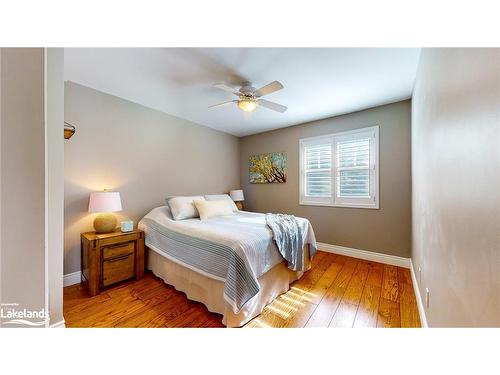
(267, 168)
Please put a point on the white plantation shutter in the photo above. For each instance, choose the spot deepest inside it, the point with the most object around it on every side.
(340, 169)
(318, 170)
(353, 170)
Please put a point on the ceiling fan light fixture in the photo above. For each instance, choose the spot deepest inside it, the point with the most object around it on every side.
(247, 105)
(249, 98)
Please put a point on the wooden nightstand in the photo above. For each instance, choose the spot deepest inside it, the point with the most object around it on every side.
(109, 258)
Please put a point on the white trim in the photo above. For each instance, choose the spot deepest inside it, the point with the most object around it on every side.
(1, 299)
(366, 255)
(61, 324)
(46, 187)
(72, 278)
(420, 304)
(333, 201)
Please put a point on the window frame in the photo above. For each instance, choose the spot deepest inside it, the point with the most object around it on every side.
(371, 202)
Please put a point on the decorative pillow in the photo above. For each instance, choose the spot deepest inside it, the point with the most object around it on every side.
(222, 197)
(183, 207)
(209, 209)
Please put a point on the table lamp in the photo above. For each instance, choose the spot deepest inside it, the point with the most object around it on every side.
(237, 197)
(105, 202)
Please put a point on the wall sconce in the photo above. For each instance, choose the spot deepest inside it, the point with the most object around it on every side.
(69, 130)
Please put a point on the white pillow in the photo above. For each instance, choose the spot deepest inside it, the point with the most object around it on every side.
(222, 197)
(209, 209)
(183, 207)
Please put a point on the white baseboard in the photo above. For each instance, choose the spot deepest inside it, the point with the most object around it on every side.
(366, 255)
(420, 304)
(60, 324)
(72, 278)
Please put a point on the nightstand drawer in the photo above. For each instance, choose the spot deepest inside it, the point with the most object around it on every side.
(113, 251)
(118, 269)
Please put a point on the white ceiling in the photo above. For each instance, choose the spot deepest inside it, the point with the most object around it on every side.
(319, 82)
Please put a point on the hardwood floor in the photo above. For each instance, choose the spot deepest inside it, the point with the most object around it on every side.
(337, 292)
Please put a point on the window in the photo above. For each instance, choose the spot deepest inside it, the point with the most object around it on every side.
(340, 169)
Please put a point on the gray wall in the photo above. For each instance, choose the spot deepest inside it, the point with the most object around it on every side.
(456, 180)
(22, 172)
(386, 230)
(144, 154)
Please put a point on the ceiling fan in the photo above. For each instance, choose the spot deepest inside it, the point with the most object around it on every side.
(249, 98)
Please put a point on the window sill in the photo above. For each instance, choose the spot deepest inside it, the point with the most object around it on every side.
(368, 206)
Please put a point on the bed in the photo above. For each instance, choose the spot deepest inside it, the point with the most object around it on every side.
(229, 263)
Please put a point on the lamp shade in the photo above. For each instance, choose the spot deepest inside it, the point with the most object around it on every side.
(105, 201)
(237, 195)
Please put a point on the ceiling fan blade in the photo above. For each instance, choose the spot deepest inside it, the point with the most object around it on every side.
(229, 102)
(272, 105)
(227, 88)
(268, 89)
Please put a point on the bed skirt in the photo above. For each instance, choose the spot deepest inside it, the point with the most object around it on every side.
(210, 292)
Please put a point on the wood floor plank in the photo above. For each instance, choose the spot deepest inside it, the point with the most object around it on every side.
(367, 313)
(346, 312)
(254, 323)
(327, 307)
(117, 301)
(87, 307)
(331, 292)
(390, 289)
(288, 310)
(404, 276)
(294, 308)
(144, 315)
(106, 317)
(267, 319)
(214, 322)
(282, 309)
(356, 284)
(317, 271)
(178, 307)
(299, 319)
(156, 305)
(193, 317)
(375, 277)
(314, 293)
(318, 257)
(388, 314)
(263, 322)
(76, 303)
(407, 302)
(156, 294)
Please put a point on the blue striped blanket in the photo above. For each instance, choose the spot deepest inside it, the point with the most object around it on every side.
(289, 238)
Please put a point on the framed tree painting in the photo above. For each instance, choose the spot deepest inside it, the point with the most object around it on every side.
(267, 168)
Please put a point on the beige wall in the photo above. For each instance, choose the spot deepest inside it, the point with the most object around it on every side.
(456, 180)
(386, 230)
(22, 173)
(144, 154)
